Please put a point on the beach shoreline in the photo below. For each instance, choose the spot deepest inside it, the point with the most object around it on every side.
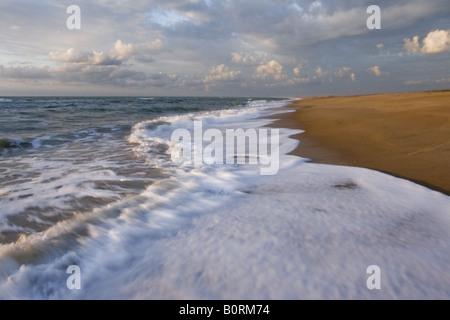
(402, 134)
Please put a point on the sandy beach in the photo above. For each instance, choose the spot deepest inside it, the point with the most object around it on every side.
(406, 134)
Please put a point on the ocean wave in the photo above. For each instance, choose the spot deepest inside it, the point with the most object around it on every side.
(162, 205)
(153, 137)
(14, 144)
(225, 233)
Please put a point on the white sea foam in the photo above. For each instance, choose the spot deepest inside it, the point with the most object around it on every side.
(225, 232)
(156, 134)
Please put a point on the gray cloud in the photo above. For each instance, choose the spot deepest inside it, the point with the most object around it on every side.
(25, 72)
(233, 47)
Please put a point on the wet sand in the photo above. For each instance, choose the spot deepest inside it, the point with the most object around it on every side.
(406, 135)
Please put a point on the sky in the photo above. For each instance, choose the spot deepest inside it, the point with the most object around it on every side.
(284, 48)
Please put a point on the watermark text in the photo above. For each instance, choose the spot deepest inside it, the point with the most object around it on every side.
(74, 280)
(235, 147)
(74, 20)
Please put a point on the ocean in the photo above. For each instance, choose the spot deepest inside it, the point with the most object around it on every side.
(91, 183)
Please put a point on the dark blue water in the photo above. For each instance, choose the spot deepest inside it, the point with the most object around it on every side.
(22, 120)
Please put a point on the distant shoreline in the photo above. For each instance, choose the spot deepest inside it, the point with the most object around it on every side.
(403, 134)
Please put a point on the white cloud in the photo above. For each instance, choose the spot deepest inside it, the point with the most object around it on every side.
(269, 39)
(116, 56)
(94, 58)
(270, 70)
(123, 50)
(345, 73)
(375, 70)
(244, 58)
(319, 72)
(298, 78)
(436, 41)
(412, 45)
(219, 73)
(68, 56)
(297, 70)
(142, 52)
(103, 59)
(154, 45)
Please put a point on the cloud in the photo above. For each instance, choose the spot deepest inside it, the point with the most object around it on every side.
(123, 50)
(413, 82)
(401, 14)
(26, 72)
(427, 81)
(244, 58)
(345, 73)
(270, 70)
(221, 73)
(297, 70)
(154, 45)
(412, 45)
(94, 74)
(168, 17)
(443, 80)
(69, 56)
(218, 74)
(142, 52)
(375, 70)
(92, 58)
(436, 41)
(319, 72)
(116, 56)
(256, 43)
(103, 59)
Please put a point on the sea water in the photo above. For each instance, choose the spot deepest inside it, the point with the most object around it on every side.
(89, 182)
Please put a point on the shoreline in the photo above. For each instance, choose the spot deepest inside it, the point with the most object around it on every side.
(405, 135)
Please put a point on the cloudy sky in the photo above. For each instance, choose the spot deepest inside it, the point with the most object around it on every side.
(223, 47)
